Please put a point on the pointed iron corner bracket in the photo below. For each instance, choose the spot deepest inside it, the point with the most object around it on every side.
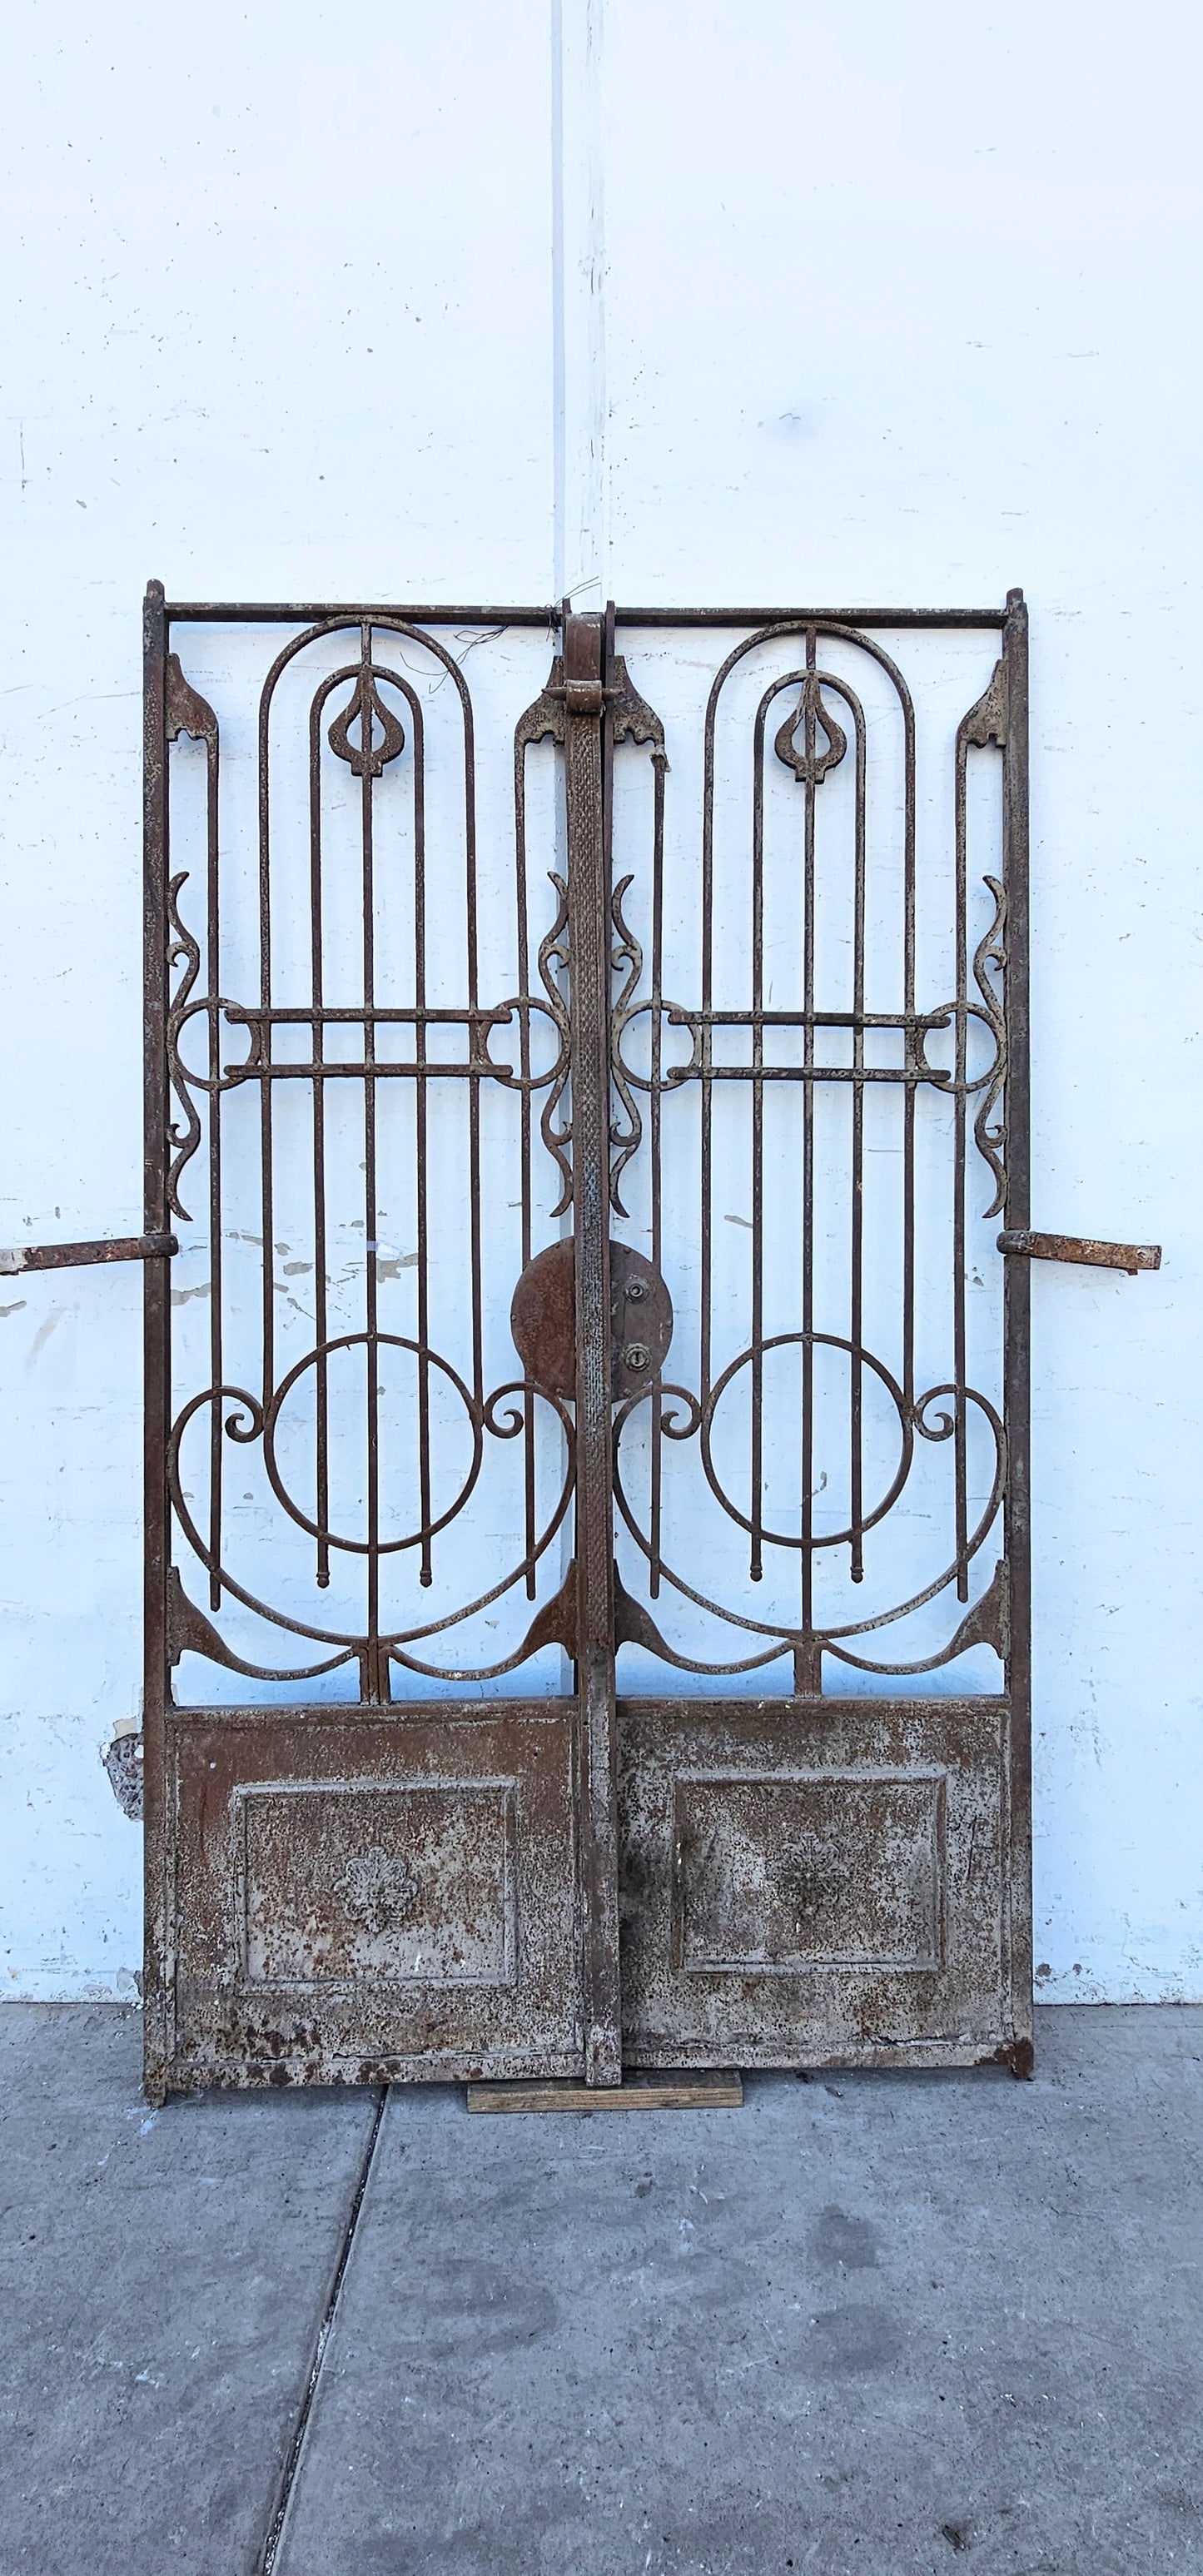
(73, 1256)
(1025, 1246)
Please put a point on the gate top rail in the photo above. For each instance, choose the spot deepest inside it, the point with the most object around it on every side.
(227, 612)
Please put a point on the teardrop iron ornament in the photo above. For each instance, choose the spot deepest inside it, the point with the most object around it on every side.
(813, 766)
(366, 705)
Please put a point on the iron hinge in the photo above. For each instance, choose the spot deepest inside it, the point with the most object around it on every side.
(72, 1256)
(1025, 1246)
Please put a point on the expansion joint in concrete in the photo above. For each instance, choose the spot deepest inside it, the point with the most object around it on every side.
(288, 2475)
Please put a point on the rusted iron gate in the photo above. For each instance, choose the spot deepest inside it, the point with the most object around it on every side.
(375, 1855)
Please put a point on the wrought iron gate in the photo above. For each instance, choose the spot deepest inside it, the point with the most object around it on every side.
(595, 1102)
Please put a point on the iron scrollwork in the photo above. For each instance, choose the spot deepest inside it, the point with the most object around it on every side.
(345, 1043)
(368, 717)
(813, 742)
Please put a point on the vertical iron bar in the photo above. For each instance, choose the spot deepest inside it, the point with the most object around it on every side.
(857, 1318)
(909, 1061)
(266, 1085)
(1017, 1318)
(317, 997)
(474, 1078)
(370, 1210)
(705, 1284)
(421, 1105)
(756, 1559)
(213, 976)
(589, 957)
(524, 1059)
(655, 1127)
(157, 2035)
(808, 1151)
(960, 1075)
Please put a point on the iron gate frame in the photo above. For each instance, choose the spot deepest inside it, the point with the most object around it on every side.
(587, 691)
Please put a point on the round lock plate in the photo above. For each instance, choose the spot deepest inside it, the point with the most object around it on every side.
(543, 1320)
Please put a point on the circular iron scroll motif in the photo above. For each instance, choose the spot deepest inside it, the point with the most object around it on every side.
(373, 1343)
(857, 1352)
(543, 1320)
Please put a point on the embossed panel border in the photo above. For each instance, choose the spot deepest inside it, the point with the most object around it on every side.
(968, 2005)
(375, 2021)
(738, 1859)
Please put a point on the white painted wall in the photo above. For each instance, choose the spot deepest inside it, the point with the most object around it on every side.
(695, 304)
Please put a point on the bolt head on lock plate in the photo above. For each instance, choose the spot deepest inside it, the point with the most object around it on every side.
(543, 1320)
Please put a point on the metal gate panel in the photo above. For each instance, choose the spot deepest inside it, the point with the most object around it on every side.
(361, 1897)
(819, 1056)
(820, 1883)
(359, 1111)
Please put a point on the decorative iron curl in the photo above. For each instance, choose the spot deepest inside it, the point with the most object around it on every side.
(675, 1016)
(503, 1017)
(668, 1422)
(200, 1636)
(183, 950)
(787, 1638)
(625, 952)
(991, 1141)
(941, 1077)
(246, 1405)
(946, 1423)
(515, 1420)
(554, 951)
(253, 1429)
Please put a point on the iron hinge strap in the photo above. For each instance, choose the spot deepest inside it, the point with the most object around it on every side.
(1131, 1257)
(72, 1256)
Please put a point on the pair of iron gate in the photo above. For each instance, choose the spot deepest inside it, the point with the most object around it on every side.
(808, 971)
(405, 986)
(593, 1096)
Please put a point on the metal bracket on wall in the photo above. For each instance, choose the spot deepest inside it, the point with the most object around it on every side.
(1025, 1246)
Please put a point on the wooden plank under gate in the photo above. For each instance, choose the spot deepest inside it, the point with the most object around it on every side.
(704, 2089)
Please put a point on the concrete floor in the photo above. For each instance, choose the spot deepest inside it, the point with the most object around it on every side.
(864, 2326)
